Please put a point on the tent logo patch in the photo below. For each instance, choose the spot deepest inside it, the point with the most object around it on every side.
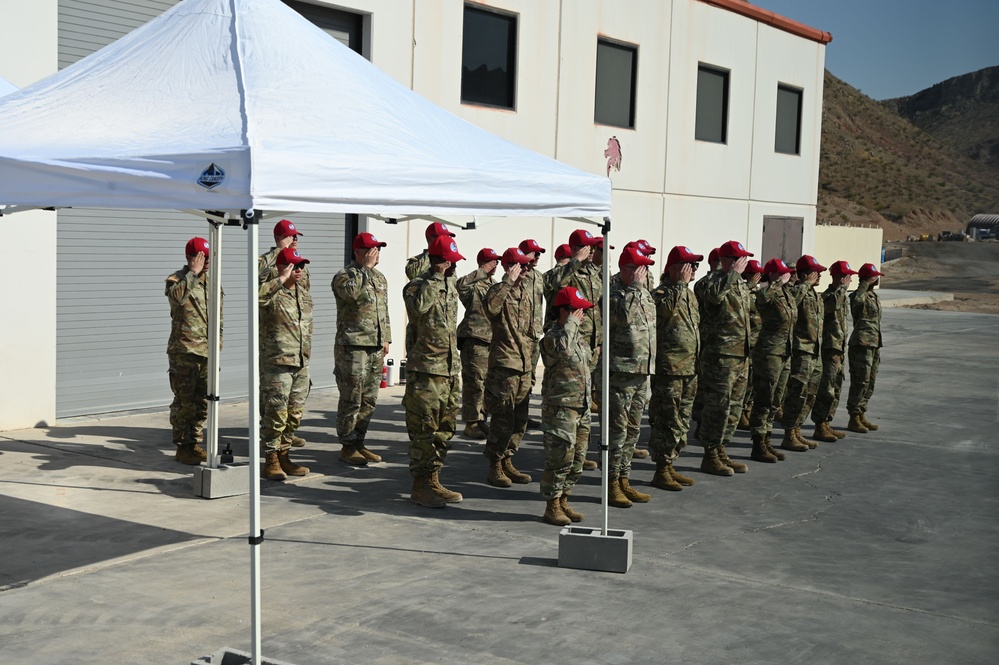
(211, 177)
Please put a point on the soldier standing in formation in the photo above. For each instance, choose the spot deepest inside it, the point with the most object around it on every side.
(432, 390)
(363, 335)
(806, 368)
(865, 348)
(419, 264)
(474, 335)
(535, 284)
(834, 331)
(714, 265)
(752, 274)
(285, 348)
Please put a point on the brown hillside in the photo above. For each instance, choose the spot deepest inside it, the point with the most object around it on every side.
(876, 167)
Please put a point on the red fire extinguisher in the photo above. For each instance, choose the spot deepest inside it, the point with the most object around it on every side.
(384, 376)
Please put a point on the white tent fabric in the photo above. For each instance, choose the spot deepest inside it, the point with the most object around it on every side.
(271, 113)
(6, 86)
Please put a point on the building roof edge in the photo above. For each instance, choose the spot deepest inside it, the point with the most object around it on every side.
(770, 18)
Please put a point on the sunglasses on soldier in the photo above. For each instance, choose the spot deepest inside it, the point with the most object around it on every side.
(300, 266)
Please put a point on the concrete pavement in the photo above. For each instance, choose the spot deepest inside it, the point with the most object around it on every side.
(880, 548)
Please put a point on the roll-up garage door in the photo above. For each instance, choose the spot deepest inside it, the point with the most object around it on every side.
(112, 317)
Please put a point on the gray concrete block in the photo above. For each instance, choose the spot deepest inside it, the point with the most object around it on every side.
(587, 548)
(226, 480)
(230, 656)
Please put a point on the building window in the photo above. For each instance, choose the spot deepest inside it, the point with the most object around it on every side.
(617, 75)
(788, 134)
(488, 58)
(712, 105)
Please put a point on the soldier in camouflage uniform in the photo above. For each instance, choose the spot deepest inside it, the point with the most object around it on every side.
(363, 335)
(510, 307)
(834, 328)
(285, 348)
(581, 273)
(433, 368)
(474, 334)
(714, 265)
(674, 385)
(565, 411)
(632, 358)
(187, 352)
(724, 357)
(419, 264)
(806, 365)
(535, 284)
(864, 352)
(752, 275)
(550, 281)
(778, 312)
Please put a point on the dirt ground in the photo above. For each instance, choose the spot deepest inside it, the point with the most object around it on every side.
(969, 270)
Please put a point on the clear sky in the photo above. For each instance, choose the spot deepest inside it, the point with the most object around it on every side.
(892, 48)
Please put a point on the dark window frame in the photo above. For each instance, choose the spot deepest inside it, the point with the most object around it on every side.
(726, 76)
(800, 93)
(513, 40)
(633, 88)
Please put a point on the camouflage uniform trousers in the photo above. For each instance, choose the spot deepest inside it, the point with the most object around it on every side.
(770, 374)
(698, 408)
(431, 403)
(567, 435)
(830, 388)
(864, 364)
(806, 370)
(534, 363)
(474, 365)
(283, 391)
(508, 396)
(669, 414)
(750, 398)
(627, 396)
(189, 382)
(358, 372)
(723, 382)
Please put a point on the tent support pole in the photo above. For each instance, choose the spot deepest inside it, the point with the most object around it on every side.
(214, 333)
(605, 373)
(251, 219)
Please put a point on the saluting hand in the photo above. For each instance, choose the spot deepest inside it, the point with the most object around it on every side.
(514, 272)
(196, 263)
(740, 264)
(577, 314)
(287, 275)
(442, 267)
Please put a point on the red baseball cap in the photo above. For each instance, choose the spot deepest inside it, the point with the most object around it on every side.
(531, 245)
(563, 252)
(485, 255)
(777, 265)
(437, 230)
(515, 255)
(646, 248)
(582, 237)
(713, 256)
(632, 256)
(286, 228)
(868, 270)
(733, 249)
(446, 248)
(195, 245)
(290, 255)
(681, 254)
(807, 263)
(367, 241)
(571, 296)
(841, 268)
(753, 267)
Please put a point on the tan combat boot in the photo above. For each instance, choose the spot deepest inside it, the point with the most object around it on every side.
(679, 477)
(801, 439)
(449, 496)
(791, 443)
(760, 452)
(663, 480)
(857, 425)
(553, 513)
(272, 467)
(569, 512)
(770, 448)
(640, 453)
(713, 465)
(350, 455)
(294, 441)
(474, 431)
(187, 453)
(290, 467)
(837, 433)
(512, 473)
(590, 465)
(723, 457)
(867, 423)
(423, 495)
(367, 454)
(615, 496)
(743, 421)
(496, 477)
(632, 493)
(824, 433)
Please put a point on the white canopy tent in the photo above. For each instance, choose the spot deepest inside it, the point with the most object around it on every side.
(6, 87)
(243, 106)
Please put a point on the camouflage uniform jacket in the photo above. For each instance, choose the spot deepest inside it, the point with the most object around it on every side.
(866, 309)
(472, 290)
(726, 306)
(755, 322)
(534, 282)
(188, 296)
(511, 311)
(699, 287)
(778, 314)
(677, 329)
(649, 285)
(362, 316)
(835, 324)
(285, 324)
(632, 344)
(808, 329)
(432, 305)
(267, 268)
(586, 278)
(417, 265)
(567, 366)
